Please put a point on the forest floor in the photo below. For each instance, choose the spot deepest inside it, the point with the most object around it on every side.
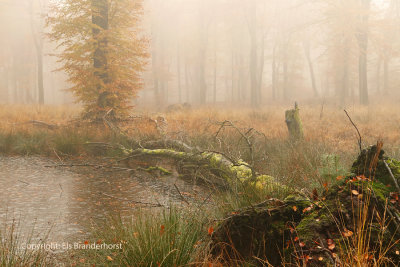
(255, 136)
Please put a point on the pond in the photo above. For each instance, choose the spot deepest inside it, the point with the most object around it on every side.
(42, 197)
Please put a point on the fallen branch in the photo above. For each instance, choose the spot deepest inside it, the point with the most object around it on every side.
(72, 165)
(135, 202)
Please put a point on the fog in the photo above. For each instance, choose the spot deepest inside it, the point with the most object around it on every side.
(227, 52)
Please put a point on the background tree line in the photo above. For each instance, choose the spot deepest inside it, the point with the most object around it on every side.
(251, 52)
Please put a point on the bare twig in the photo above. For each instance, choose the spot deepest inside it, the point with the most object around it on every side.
(133, 201)
(205, 201)
(181, 196)
(358, 132)
(391, 175)
(245, 137)
(55, 152)
(72, 165)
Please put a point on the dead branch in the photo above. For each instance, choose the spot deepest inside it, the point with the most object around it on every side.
(181, 196)
(72, 165)
(245, 137)
(135, 202)
(358, 132)
(392, 176)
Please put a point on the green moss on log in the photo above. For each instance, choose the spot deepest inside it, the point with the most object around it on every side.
(232, 173)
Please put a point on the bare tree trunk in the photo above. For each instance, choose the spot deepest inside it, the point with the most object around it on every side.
(202, 85)
(38, 41)
(178, 66)
(100, 19)
(4, 85)
(260, 74)
(378, 74)
(201, 73)
(253, 71)
(362, 38)
(344, 86)
(274, 74)
(215, 69)
(40, 74)
(155, 78)
(386, 75)
(187, 84)
(14, 81)
(252, 27)
(155, 62)
(233, 74)
(307, 52)
(285, 73)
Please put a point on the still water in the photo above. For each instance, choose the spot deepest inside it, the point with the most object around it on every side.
(66, 203)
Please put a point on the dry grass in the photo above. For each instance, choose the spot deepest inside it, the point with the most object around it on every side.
(10, 114)
(333, 128)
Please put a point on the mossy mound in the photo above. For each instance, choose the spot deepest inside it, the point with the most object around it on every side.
(371, 163)
(355, 222)
(260, 231)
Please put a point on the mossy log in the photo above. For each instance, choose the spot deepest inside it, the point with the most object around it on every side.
(229, 172)
(355, 222)
(293, 122)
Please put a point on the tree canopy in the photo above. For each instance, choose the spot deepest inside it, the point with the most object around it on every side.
(102, 51)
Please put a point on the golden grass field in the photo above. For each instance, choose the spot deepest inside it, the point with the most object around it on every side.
(332, 127)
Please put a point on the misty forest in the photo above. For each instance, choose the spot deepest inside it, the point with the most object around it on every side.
(199, 133)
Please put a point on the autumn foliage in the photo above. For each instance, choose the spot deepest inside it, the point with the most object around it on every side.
(101, 50)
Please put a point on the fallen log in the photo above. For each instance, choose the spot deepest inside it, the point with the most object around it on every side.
(222, 167)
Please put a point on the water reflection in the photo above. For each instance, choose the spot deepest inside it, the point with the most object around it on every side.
(43, 197)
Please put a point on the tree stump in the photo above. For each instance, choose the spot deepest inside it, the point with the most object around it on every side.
(293, 122)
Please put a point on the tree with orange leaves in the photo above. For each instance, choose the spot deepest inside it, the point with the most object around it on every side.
(102, 51)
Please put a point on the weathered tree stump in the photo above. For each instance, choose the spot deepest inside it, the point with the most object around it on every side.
(293, 122)
(355, 222)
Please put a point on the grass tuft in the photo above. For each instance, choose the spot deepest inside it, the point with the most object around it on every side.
(168, 238)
